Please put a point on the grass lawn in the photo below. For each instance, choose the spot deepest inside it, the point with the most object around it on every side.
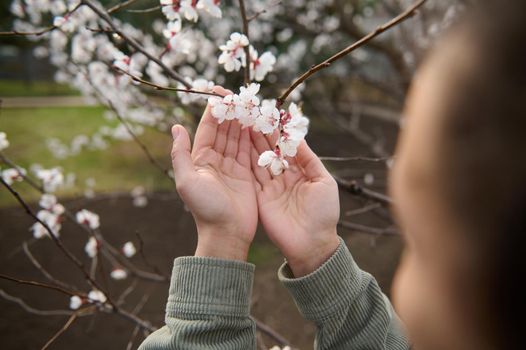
(17, 88)
(121, 167)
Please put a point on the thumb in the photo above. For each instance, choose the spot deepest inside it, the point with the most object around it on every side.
(181, 160)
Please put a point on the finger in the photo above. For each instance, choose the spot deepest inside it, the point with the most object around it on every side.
(261, 174)
(244, 149)
(260, 142)
(232, 141)
(312, 165)
(221, 137)
(207, 129)
(272, 139)
(181, 160)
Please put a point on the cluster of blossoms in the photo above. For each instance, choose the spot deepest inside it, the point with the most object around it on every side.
(50, 214)
(94, 296)
(233, 57)
(265, 117)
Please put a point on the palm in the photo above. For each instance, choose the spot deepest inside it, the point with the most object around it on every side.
(298, 205)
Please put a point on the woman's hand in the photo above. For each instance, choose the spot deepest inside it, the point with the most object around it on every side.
(216, 183)
(300, 208)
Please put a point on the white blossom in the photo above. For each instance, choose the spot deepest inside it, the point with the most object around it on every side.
(97, 296)
(197, 85)
(64, 23)
(262, 65)
(247, 104)
(274, 161)
(52, 221)
(233, 54)
(75, 302)
(51, 178)
(268, 119)
(129, 249)
(210, 6)
(223, 108)
(86, 217)
(92, 247)
(4, 142)
(118, 274)
(11, 175)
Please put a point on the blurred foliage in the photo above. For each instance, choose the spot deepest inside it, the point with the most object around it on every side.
(12, 88)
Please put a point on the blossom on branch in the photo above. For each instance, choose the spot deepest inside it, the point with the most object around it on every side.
(75, 302)
(233, 54)
(118, 274)
(51, 178)
(262, 65)
(97, 296)
(268, 119)
(273, 160)
(128, 249)
(11, 175)
(92, 247)
(86, 217)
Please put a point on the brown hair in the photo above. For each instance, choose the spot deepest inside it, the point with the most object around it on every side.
(482, 157)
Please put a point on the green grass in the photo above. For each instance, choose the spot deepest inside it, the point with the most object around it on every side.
(120, 167)
(17, 88)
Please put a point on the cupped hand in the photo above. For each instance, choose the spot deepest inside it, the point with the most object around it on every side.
(300, 208)
(215, 181)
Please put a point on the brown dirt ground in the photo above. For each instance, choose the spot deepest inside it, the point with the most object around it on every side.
(167, 231)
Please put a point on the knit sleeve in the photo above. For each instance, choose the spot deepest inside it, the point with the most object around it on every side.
(208, 307)
(346, 304)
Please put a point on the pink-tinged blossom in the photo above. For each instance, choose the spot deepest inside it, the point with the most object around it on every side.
(210, 6)
(295, 124)
(262, 65)
(11, 175)
(223, 108)
(274, 161)
(247, 104)
(65, 23)
(4, 142)
(173, 8)
(86, 217)
(233, 54)
(128, 249)
(52, 220)
(92, 247)
(97, 296)
(75, 302)
(268, 119)
(127, 64)
(118, 274)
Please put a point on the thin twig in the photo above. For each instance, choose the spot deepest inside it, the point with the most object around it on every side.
(147, 10)
(39, 267)
(260, 12)
(106, 18)
(263, 328)
(38, 32)
(354, 188)
(363, 210)
(166, 88)
(40, 285)
(243, 12)
(120, 6)
(395, 21)
(355, 159)
(55, 239)
(31, 309)
(64, 328)
(368, 229)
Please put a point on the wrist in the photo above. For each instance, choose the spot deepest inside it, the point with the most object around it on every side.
(313, 255)
(221, 242)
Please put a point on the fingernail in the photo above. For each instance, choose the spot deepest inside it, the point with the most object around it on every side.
(175, 131)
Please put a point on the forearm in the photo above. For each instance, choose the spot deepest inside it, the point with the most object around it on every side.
(346, 304)
(208, 306)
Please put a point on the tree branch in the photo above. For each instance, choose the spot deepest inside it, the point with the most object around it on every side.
(395, 21)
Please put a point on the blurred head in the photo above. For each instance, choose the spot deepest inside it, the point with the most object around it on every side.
(459, 184)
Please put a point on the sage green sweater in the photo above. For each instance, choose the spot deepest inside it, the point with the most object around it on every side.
(209, 306)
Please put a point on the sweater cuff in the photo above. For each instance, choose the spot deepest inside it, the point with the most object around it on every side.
(210, 286)
(326, 290)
